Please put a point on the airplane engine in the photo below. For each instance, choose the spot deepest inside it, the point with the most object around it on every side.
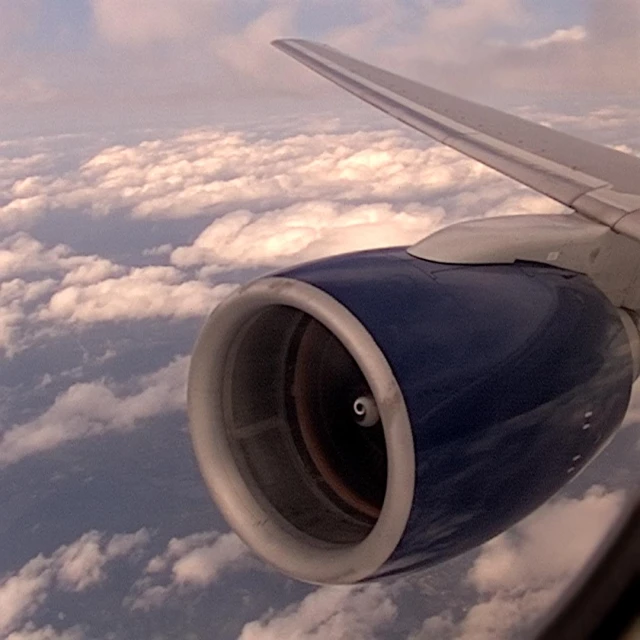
(374, 413)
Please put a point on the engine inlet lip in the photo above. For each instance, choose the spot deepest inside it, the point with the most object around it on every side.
(290, 551)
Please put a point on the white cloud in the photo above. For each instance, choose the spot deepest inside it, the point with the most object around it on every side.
(124, 544)
(209, 171)
(22, 187)
(21, 210)
(179, 547)
(573, 34)
(339, 613)
(85, 289)
(144, 292)
(193, 562)
(550, 545)
(90, 409)
(21, 594)
(75, 567)
(204, 565)
(304, 232)
(81, 564)
(14, 296)
(20, 254)
(519, 574)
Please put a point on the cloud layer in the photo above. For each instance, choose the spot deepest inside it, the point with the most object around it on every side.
(272, 199)
(340, 613)
(86, 289)
(521, 573)
(76, 567)
(90, 409)
(187, 564)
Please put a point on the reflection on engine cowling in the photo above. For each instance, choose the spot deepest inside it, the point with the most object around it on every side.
(374, 413)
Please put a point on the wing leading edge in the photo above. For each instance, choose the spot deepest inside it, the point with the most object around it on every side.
(599, 183)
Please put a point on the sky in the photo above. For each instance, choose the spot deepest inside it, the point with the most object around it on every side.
(156, 154)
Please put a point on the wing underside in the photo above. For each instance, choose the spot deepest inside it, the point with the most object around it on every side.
(597, 182)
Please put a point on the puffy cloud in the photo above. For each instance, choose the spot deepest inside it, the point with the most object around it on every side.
(517, 577)
(206, 170)
(340, 613)
(25, 174)
(20, 254)
(210, 171)
(304, 232)
(81, 564)
(180, 547)
(145, 292)
(550, 545)
(214, 172)
(21, 210)
(15, 296)
(124, 544)
(21, 594)
(85, 289)
(75, 567)
(195, 561)
(519, 574)
(202, 566)
(573, 34)
(89, 409)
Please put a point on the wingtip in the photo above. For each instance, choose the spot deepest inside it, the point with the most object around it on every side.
(280, 43)
(283, 43)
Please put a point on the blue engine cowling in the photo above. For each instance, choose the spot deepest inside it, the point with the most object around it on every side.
(485, 389)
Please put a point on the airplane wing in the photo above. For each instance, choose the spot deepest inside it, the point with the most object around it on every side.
(601, 184)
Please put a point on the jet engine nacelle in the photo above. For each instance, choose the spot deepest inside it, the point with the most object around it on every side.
(374, 413)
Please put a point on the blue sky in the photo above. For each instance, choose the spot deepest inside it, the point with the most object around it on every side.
(153, 156)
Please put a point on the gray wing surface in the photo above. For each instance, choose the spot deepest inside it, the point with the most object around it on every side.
(599, 183)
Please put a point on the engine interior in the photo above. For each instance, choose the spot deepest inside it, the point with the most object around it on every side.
(292, 406)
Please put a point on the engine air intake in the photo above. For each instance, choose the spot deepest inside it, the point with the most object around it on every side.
(288, 409)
